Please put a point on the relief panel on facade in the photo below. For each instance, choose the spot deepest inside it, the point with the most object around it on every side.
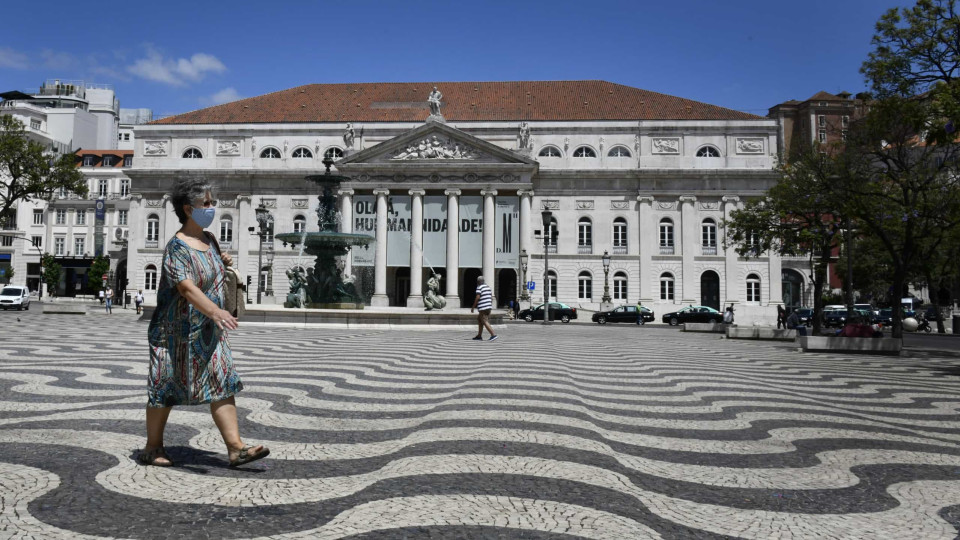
(619, 205)
(666, 145)
(584, 205)
(435, 148)
(549, 205)
(155, 148)
(752, 145)
(709, 205)
(228, 148)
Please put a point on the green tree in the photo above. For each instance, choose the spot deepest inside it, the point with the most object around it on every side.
(99, 267)
(28, 171)
(51, 273)
(798, 216)
(8, 274)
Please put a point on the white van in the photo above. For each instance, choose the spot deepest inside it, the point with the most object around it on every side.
(14, 296)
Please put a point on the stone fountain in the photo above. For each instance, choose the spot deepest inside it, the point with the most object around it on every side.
(324, 286)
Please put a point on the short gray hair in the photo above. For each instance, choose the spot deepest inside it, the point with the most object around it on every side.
(185, 191)
(480, 280)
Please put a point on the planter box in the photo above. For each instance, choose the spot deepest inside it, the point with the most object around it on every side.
(888, 346)
(747, 332)
(712, 328)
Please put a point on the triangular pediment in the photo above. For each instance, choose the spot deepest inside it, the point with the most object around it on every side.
(434, 143)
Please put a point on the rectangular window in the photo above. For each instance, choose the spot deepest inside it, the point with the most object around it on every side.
(226, 230)
(126, 136)
(108, 161)
(843, 135)
(268, 237)
(619, 289)
(122, 217)
(120, 136)
(709, 238)
(35, 124)
(585, 289)
(666, 289)
(102, 188)
(823, 135)
(6, 241)
(61, 216)
(88, 161)
(128, 161)
(845, 121)
(78, 246)
(753, 291)
(124, 187)
(81, 216)
(153, 230)
(59, 245)
(822, 120)
(37, 241)
(38, 217)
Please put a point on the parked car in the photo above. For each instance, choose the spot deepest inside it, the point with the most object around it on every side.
(932, 314)
(558, 311)
(834, 318)
(627, 314)
(14, 297)
(693, 314)
(805, 315)
(884, 316)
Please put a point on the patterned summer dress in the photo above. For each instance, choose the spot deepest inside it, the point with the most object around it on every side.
(190, 359)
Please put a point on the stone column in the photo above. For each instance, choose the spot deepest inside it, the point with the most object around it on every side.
(246, 218)
(775, 282)
(689, 248)
(416, 248)
(648, 244)
(346, 225)
(380, 263)
(489, 240)
(526, 200)
(136, 227)
(453, 247)
(731, 293)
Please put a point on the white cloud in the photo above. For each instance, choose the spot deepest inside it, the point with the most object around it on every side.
(10, 58)
(176, 72)
(58, 60)
(225, 96)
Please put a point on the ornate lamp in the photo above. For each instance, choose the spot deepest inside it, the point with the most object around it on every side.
(606, 277)
(524, 259)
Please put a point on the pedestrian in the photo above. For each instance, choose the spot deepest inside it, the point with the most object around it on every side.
(108, 296)
(190, 358)
(483, 303)
(516, 309)
(100, 294)
(728, 316)
(793, 323)
(138, 300)
(640, 320)
(781, 317)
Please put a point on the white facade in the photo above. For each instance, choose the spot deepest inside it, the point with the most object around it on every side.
(623, 177)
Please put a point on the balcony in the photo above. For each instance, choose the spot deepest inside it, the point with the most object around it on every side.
(151, 244)
(226, 244)
(709, 250)
(585, 249)
(551, 248)
(620, 250)
(666, 250)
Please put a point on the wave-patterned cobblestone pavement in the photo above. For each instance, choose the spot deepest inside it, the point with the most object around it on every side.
(567, 431)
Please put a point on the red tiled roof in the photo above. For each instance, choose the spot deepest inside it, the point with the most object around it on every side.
(462, 102)
(823, 95)
(100, 153)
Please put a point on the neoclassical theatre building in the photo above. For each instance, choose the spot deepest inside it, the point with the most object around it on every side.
(452, 177)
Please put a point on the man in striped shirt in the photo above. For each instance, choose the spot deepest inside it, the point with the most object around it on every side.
(483, 303)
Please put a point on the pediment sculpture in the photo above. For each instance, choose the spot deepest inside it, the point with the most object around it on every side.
(155, 148)
(434, 148)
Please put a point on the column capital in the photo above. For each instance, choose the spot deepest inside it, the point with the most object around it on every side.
(449, 192)
(381, 191)
(417, 192)
(525, 192)
(345, 191)
(488, 192)
(730, 198)
(133, 197)
(688, 199)
(645, 199)
(244, 197)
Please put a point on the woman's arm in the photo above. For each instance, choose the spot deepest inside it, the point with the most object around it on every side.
(223, 319)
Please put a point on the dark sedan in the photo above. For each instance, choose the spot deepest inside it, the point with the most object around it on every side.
(559, 311)
(627, 314)
(805, 315)
(693, 314)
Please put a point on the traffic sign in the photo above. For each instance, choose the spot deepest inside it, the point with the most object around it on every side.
(105, 277)
(531, 285)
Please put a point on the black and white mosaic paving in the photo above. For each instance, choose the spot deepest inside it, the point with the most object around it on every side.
(566, 431)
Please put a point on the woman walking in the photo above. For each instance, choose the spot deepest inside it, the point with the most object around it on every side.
(190, 358)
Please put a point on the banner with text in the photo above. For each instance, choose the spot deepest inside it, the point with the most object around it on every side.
(398, 230)
(435, 232)
(365, 222)
(508, 232)
(471, 232)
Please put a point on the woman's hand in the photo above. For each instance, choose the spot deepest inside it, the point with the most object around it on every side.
(224, 320)
(226, 258)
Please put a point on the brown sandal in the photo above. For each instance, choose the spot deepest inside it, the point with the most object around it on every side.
(244, 456)
(149, 457)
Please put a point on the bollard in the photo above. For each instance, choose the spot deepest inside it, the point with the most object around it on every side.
(956, 324)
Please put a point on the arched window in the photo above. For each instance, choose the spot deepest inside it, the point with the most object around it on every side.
(708, 151)
(619, 236)
(550, 151)
(150, 278)
(753, 288)
(552, 233)
(666, 236)
(620, 286)
(708, 236)
(753, 242)
(153, 228)
(299, 224)
(302, 153)
(226, 230)
(333, 153)
(619, 151)
(270, 153)
(552, 285)
(585, 286)
(666, 286)
(192, 153)
(264, 277)
(584, 152)
(584, 236)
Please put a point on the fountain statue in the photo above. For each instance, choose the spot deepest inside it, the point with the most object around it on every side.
(433, 300)
(324, 285)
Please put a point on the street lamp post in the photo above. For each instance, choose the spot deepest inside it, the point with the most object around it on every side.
(524, 258)
(264, 219)
(606, 280)
(547, 217)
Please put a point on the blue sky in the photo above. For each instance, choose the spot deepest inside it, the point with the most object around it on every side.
(176, 56)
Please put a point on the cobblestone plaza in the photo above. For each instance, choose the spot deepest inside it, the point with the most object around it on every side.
(563, 431)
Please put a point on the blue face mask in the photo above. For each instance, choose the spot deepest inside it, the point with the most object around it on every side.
(203, 216)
